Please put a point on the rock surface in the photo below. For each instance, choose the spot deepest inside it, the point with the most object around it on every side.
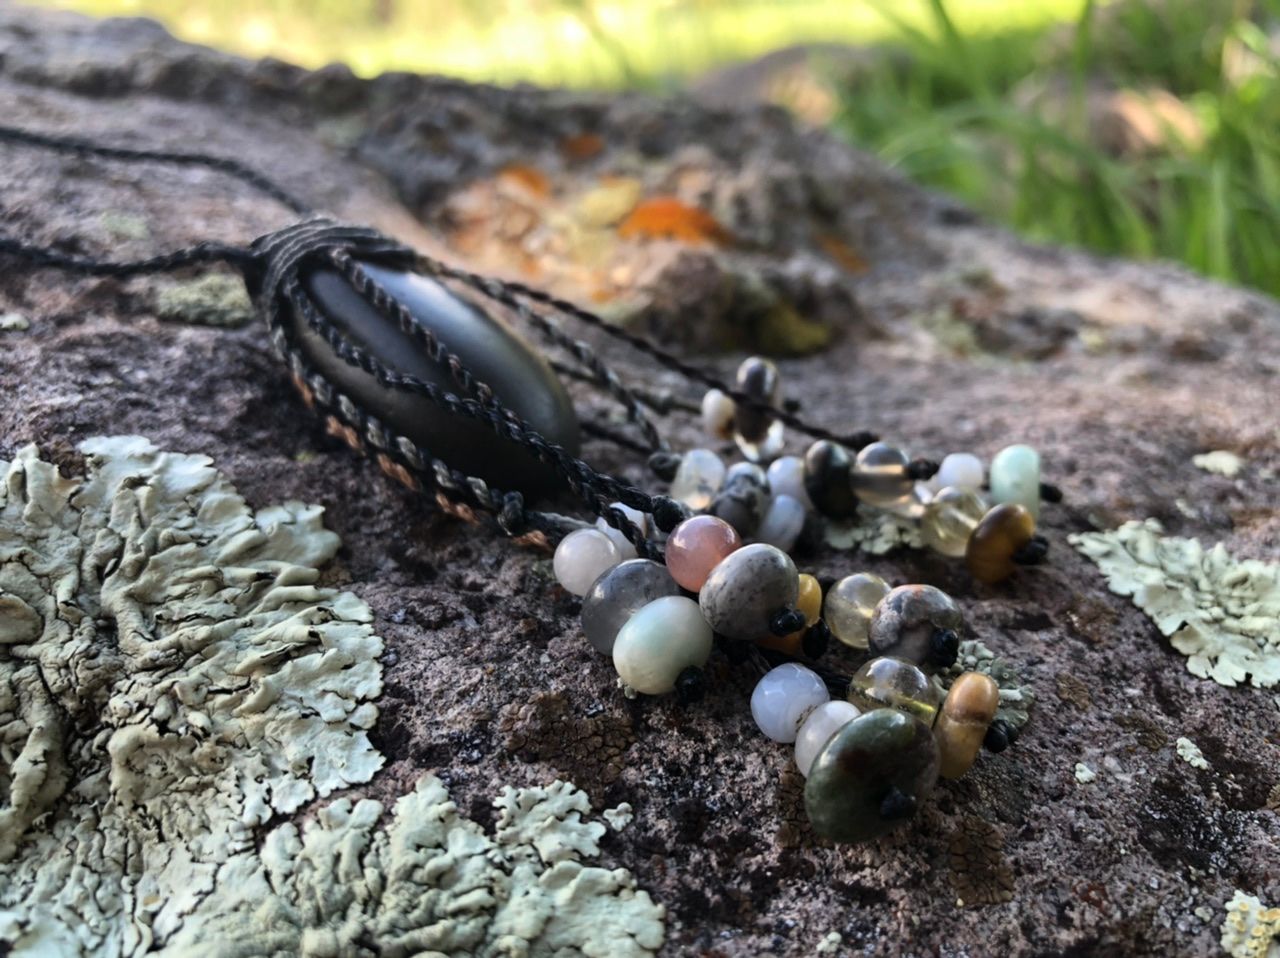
(944, 333)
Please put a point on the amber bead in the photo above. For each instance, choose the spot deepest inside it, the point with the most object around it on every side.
(809, 602)
(850, 604)
(880, 476)
(907, 620)
(1001, 533)
(892, 683)
(696, 546)
(963, 720)
(949, 520)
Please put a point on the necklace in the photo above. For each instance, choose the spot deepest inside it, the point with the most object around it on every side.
(404, 358)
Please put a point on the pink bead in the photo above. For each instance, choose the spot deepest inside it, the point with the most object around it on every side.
(696, 546)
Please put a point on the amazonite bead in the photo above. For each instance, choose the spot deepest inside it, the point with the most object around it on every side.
(698, 478)
(950, 518)
(582, 557)
(659, 642)
(747, 589)
(1015, 478)
(895, 684)
(717, 414)
(786, 478)
(904, 623)
(620, 593)
(782, 523)
(880, 476)
(822, 723)
(849, 605)
(625, 547)
(783, 699)
(961, 470)
(871, 776)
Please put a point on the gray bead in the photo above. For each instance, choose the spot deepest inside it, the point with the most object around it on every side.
(743, 499)
(747, 589)
(618, 594)
(904, 622)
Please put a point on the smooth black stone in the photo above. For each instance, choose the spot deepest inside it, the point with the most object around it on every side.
(826, 479)
(521, 378)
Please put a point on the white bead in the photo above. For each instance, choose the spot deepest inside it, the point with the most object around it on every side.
(659, 642)
(960, 469)
(717, 414)
(625, 549)
(822, 723)
(783, 699)
(698, 479)
(582, 557)
(786, 478)
(782, 523)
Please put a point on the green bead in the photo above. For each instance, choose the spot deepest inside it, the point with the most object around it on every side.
(1015, 477)
(871, 776)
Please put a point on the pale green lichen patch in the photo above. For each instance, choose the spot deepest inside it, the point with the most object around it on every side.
(214, 299)
(1221, 462)
(1016, 697)
(1223, 614)
(430, 883)
(13, 323)
(1250, 930)
(171, 677)
(1190, 753)
(874, 533)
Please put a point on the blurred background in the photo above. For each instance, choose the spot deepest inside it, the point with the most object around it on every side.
(1149, 128)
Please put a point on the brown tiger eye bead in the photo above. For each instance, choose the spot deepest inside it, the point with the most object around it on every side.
(1002, 532)
(962, 723)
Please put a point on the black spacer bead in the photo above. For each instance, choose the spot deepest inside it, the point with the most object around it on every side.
(786, 621)
(816, 641)
(921, 469)
(664, 465)
(897, 805)
(667, 513)
(1050, 493)
(691, 685)
(1032, 552)
(998, 737)
(944, 648)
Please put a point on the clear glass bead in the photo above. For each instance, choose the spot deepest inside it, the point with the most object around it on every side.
(698, 478)
(880, 477)
(895, 684)
(949, 519)
(849, 605)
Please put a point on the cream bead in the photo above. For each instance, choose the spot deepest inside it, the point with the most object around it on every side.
(963, 470)
(659, 642)
(822, 723)
(582, 557)
(717, 414)
(783, 699)
(625, 548)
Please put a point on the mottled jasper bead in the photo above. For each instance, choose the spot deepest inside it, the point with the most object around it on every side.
(783, 699)
(906, 619)
(880, 476)
(894, 684)
(963, 720)
(782, 523)
(697, 546)
(949, 519)
(822, 723)
(1015, 478)
(747, 589)
(809, 602)
(698, 478)
(659, 642)
(620, 593)
(827, 467)
(582, 557)
(870, 776)
(786, 478)
(717, 414)
(849, 605)
(1002, 532)
(759, 379)
(743, 498)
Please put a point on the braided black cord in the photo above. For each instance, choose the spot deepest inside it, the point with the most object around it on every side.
(661, 401)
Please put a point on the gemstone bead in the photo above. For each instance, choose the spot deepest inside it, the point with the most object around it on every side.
(906, 619)
(717, 414)
(822, 723)
(1002, 532)
(963, 470)
(963, 721)
(768, 447)
(870, 776)
(742, 498)
(782, 523)
(619, 594)
(747, 589)
(827, 468)
(696, 546)
(1015, 478)
(659, 642)
(809, 602)
(625, 547)
(849, 605)
(759, 379)
(698, 478)
(786, 478)
(582, 557)
(950, 518)
(880, 476)
(783, 699)
(895, 684)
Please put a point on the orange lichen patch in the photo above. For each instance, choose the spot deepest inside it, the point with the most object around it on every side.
(665, 217)
(348, 435)
(397, 472)
(842, 254)
(526, 178)
(308, 396)
(582, 146)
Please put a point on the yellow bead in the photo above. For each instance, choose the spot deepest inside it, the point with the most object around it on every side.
(809, 603)
(949, 520)
(1002, 532)
(963, 721)
(850, 604)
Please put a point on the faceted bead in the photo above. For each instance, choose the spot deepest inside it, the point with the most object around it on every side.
(619, 594)
(698, 479)
(822, 723)
(895, 684)
(827, 468)
(759, 379)
(717, 414)
(949, 519)
(742, 498)
(1015, 477)
(786, 478)
(906, 619)
(659, 642)
(963, 721)
(1002, 532)
(782, 523)
(870, 776)
(625, 547)
(880, 476)
(696, 546)
(582, 557)
(963, 470)
(809, 602)
(783, 699)
(849, 605)
(747, 589)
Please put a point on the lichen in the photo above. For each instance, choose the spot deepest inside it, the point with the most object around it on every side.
(214, 299)
(1220, 461)
(874, 533)
(1016, 698)
(13, 323)
(430, 882)
(1250, 930)
(1223, 614)
(1190, 753)
(171, 678)
(1084, 774)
